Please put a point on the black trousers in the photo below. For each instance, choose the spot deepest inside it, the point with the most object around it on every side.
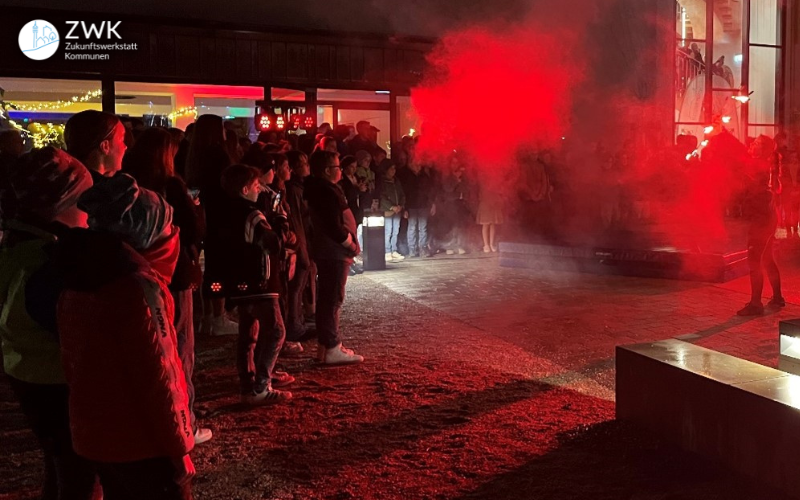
(152, 479)
(760, 258)
(46, 408)
(330, 298)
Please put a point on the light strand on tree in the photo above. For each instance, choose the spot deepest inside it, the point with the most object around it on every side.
(53, 106)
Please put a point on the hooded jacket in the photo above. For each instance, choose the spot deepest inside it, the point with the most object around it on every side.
(30, 351)
(127, 398)
(333, 224)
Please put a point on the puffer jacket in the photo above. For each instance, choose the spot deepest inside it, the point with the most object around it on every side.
(127, 398)
(30, 352)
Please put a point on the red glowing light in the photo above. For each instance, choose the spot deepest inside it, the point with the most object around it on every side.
(263, 122)
(295, 121)
(280, 123)
(216, 287)
(309, 122)
(242, 287)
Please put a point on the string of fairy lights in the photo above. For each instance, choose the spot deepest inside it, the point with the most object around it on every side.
(43, 134)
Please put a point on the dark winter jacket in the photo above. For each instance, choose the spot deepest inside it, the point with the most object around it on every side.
(127, 391)
(252, 268)
(418, 189)
(356, 200)
(760, 198)
(392, 195)
(333, 224)
(299, 219)
(188, 217)
(30, 348)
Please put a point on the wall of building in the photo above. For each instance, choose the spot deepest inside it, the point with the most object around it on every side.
(201, 54)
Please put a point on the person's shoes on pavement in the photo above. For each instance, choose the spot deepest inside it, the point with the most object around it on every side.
(751, 309)
(201, 435)
(221, 325)
(281, 379)
(397, 256)
(777, 302)
(268, 396)
(292, 348)
(339, 355)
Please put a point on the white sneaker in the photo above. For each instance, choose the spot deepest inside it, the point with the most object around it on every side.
(339, 355)
(389, 257)
(266, 397)
(201, 435)
(450, 252)
(397, 256)
(221, 325)
(461, 251)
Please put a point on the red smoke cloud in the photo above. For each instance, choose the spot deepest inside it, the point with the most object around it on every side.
(601, 73)
(488, 93)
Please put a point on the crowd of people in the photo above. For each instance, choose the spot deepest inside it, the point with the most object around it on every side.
(119, 246)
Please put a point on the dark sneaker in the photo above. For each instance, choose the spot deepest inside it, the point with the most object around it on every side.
(777, 302)
(751, 309)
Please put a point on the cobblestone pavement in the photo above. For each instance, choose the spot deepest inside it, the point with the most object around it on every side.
(571, 322)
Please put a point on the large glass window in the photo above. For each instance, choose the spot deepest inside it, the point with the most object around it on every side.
(765, 22)
(764, 66)
(40, 108)
(407, 118)
(690, 68)
(177, 105)
(724, 48)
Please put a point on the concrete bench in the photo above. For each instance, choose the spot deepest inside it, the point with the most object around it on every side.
(742, 414)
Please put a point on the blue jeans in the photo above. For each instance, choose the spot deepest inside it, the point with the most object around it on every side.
(391, 229)
(261, 336)
(418, 230)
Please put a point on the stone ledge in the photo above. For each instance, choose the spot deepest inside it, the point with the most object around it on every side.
(742, 414)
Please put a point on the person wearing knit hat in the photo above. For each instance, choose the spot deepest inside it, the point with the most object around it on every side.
(45, 186)
(760, 207)
(128, 399)
(97, 139)
(46, 183)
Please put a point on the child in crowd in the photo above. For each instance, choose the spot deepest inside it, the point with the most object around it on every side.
(253, 281)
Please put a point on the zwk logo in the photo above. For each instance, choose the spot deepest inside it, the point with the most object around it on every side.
(93, 30)
(38, 40)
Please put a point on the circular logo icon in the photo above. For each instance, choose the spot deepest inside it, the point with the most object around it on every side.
(38, 39)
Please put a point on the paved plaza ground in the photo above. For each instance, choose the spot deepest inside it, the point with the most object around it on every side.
(480, 382)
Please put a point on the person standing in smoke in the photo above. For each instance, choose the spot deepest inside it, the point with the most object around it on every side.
(760, 207)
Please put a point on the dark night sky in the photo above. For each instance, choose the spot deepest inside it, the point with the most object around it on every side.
(427, 18)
